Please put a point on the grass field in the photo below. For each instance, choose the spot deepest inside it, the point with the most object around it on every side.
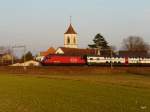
(74, 92)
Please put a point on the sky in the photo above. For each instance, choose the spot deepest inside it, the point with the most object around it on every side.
(40, 24)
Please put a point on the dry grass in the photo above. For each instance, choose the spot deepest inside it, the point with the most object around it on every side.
(79, 89)
(75, 70)
(125, 76)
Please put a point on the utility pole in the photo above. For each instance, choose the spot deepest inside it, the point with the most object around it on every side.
(24, 51)
(99, 50)
(111, 55)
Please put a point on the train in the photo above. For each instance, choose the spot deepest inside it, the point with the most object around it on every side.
(92, 60)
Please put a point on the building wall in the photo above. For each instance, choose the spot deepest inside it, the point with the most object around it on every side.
(59, 51)
(70, 40)
(5, 59)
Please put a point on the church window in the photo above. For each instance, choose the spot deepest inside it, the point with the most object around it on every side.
(68, 40)
(74, 40)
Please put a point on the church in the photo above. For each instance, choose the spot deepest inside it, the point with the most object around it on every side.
(70, 45)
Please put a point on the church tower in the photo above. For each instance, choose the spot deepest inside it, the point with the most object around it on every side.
(70, 38)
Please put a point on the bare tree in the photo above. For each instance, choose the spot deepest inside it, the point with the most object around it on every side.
(135, 43)
(5, 50)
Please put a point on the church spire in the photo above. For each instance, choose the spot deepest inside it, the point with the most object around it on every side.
(70, 19)
(70, 30)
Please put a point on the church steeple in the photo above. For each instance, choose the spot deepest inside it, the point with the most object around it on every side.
(70, 30)
(70, 37)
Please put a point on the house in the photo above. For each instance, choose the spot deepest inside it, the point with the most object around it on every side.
(51, 50)
(135, 54)
(5, 58)
(42, 54)
(27, 63)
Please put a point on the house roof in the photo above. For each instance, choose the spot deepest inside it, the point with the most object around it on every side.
(133, 54)
(70, 30)
(77, 51)
(3, 53)
(51, 50)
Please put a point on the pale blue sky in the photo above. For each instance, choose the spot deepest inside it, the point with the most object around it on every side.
(40, 24)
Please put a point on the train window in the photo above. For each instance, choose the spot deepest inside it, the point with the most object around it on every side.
(48, 57)
(98, 59)
(119, 62)
(91, 58)
(82, 57)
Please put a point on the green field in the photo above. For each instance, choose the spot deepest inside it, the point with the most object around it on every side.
(74, 93)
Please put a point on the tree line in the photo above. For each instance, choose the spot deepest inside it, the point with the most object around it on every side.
(131, 43)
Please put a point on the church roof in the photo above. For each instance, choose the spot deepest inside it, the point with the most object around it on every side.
(70, 30)
(78, 51)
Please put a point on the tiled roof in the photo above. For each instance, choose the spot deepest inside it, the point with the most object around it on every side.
(133, 54)
(51, 50)
(2, 52)
(77, 51)
(70, 30)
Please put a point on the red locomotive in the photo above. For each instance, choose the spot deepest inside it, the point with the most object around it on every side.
(63, 60)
